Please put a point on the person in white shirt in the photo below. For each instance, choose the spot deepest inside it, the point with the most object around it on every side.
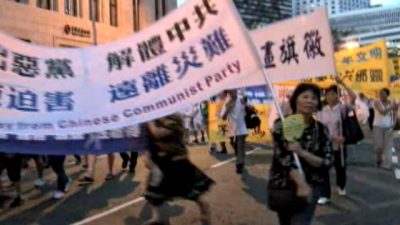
(331, 116)
(234, 111)
(384, 121)
(370, 105)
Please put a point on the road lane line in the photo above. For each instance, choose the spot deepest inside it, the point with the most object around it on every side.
(140, 199)
(395, 160)
(231, 159)
(108, 212)
(397, 173)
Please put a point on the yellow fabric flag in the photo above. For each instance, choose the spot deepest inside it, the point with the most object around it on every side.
(261, 134)
(364, 68)
(218, 128)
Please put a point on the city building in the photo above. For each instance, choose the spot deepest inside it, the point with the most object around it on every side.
(69, 23)
(333, 6)
(257, 13)
(369, 25)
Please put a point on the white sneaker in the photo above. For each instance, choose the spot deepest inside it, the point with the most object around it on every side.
(58, 194)
(342, 192)
(323, 201)
(39, 182)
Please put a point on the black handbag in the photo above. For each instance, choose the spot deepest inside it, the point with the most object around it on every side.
(285, 199)
(251, 118)
(397, 125)
(351, 129)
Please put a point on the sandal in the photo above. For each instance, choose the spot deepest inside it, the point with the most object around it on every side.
(109, 177)
(86, 179)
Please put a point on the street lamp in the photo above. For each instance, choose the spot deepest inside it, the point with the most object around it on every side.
(92, 6)
(351, 45)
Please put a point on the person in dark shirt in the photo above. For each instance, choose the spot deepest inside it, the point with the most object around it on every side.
(172, 175)
(314, 149)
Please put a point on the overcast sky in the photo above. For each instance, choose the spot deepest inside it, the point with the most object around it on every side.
(385, 2)
(180, 2)
(373, 2)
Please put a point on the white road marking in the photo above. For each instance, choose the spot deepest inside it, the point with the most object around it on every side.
(395, 159)
(397, 173)
(108, 212)
(138, 200)
(231, 159)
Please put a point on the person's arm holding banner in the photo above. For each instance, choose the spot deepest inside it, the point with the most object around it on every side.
(303, 189)
(312, 159)
(385, 111)
(394, 114)
(286, 161)
(350, 92)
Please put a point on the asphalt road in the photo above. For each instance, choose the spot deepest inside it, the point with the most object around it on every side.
(373, 195)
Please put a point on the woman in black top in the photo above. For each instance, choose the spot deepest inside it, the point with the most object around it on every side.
(172, 175)
(314, 149)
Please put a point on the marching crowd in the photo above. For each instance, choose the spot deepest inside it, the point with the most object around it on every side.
(294, 188)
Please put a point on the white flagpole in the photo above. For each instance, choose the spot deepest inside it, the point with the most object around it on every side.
(282, 117)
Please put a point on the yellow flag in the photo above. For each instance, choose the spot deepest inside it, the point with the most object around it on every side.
(261, 134)
(364, 68)
(217, 127)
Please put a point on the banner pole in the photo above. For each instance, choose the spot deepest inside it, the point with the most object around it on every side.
(282, 117)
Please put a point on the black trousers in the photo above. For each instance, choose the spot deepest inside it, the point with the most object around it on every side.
(132, 158)
(57, 164)
(13, 165)
(371, 118)
(341, 177)
(239, 145)
(303, 217)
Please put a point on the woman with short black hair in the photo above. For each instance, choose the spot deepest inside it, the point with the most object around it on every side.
(314, 149)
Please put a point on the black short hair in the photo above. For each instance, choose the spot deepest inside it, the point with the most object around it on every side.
(302, 87)
(333, 88)
(386, 90)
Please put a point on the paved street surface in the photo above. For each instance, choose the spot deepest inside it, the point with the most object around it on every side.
(373, 195)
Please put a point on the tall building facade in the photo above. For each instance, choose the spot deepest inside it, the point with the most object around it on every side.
(369, 25)
(333, 6)
(256, 13)
(69, 23)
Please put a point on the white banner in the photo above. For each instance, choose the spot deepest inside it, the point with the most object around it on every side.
(193, 53)
(296, 48)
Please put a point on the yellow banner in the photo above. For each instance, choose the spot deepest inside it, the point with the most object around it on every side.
(395, 65)
(394, 87)
(364, 68)
(395, 72)
(261, 135)
(218, 129)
